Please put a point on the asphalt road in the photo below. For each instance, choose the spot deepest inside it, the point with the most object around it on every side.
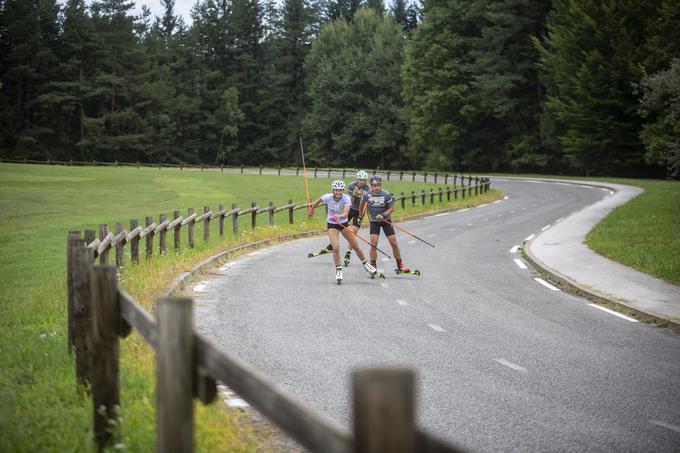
(504, 363)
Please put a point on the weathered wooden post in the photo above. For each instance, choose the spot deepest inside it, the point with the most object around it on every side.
(455, 194)
(82, 312)
(105, 375)
(403, 201)
(291, 212)
(206, 224)
(241, 168)
(271, 213)
(343, 173)
(422, 196)
(149, 238)
(73, 241)
(120, 246)
(221, 221)
(413, 199)
(315, 171)
(174, 376)
(190, 227)
(448, 193)
(414, 176)
(454, 180)
(329, 172)
(441, 194)
(435, 177)
(462, 192)
(401, 176)
(176, 234)
(384, 411)
(260, 168)
(162, 241)
(104, 255)
(221, 168)
(388, 175)
(234, 220)
(134, 243)
(279, 170)
(446, 178)
(425, 177)
(297, 171)
(253, 216)
(431, 196)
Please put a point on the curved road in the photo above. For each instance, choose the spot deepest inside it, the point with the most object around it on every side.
(504, 362)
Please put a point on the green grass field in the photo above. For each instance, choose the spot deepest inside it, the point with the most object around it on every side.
(41, 407)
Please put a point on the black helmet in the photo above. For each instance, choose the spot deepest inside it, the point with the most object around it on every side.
(375, 179)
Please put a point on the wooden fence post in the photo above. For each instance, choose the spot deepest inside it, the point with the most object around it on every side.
(206, 225)
(455, 194)
(241, 168)
(422, 196)
(343, 173)
(431, 196)
(149, 239)
(162, 241)
(297, 171)
(448, 193)
(315, 171)
(329, 172)
(271, 213)
(190, 228)
(89, 236)
(454, 180)
(73, 241)
(134, 243)
(82, 312)
(221, 208)
(441, 194)
(403, 201)
(384, 410)
(176, 236)
(174, 376)
(234, 220)
(120, 247)
(260, 168)
(291, 213)
(435, 177)
(414, 176)
(221, 168)
(104, 255)
(105, 375)
(446, 178)
(425, 177)
(279, 170)
(413, 199)
(253, 216)
(401, 176)
(462, 192)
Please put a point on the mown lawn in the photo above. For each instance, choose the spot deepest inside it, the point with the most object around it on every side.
(41, 408)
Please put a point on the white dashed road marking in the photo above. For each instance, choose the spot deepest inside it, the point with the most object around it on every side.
(666, 425)
(514, 249)
(482, 205)
(436, 328)
(519, 263)
(402, 302)
(463, 210)
(412, 242)
(452, 229)
(509, 364)
(612, 312)
(385, 259)
(431, 235)
(530, 237)
(384, 285)
(546, 284)
(545, 227)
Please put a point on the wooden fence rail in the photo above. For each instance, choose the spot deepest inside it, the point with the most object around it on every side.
(107, 240)
(188, 365)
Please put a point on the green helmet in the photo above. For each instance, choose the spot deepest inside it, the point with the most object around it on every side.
(362, 175)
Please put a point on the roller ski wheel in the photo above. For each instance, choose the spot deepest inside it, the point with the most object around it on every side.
(378, 274)
(415, 272)
(345, 260)
(320, 252)
(338, 276)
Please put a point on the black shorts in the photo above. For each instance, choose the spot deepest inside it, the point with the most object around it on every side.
(353, 217)
(336, 226)
(387, 228)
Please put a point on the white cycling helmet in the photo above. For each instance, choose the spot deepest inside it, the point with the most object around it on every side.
(338, 185)
(362, 175)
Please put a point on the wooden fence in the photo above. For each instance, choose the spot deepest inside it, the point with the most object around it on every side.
(115, 241)
(188, 365)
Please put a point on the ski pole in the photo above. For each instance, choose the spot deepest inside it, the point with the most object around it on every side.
(408, 232)
(357, 235)
(304, 169)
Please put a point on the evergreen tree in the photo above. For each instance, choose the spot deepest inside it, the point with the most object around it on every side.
(591, 57)
(356, 115)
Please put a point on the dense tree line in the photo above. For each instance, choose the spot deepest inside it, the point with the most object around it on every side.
(569, 86)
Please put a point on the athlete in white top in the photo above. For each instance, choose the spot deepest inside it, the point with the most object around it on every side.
(336, 222)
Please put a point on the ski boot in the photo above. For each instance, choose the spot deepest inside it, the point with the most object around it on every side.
(372, 270)
(403, 269)
(346, 259)
(338, 275)
(323, 251)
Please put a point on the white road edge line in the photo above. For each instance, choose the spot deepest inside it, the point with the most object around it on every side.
(530, 237)
(546, 284)
(436, 328)
(612, 312)
(402, 302)
(463, 210)
(519, 263)
(506, 197)
(442, 214)
(200, 287)
(665, 425)
(514, 249)
(509, 364)
(482, 205)
(237, 402)
(545, 227)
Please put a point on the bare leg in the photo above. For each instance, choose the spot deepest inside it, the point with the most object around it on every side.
(352, 240)
(333, 236)
(374, 251)
(395, 246)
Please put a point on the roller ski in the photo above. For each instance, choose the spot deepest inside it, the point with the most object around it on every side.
(403, 269)
(323, 251)
(373, 272)
(338, 275)
(345, 260)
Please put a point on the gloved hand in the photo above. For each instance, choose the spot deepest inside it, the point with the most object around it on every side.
(359, 219)
(379, 217)
(333, 218)
(310, 212)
